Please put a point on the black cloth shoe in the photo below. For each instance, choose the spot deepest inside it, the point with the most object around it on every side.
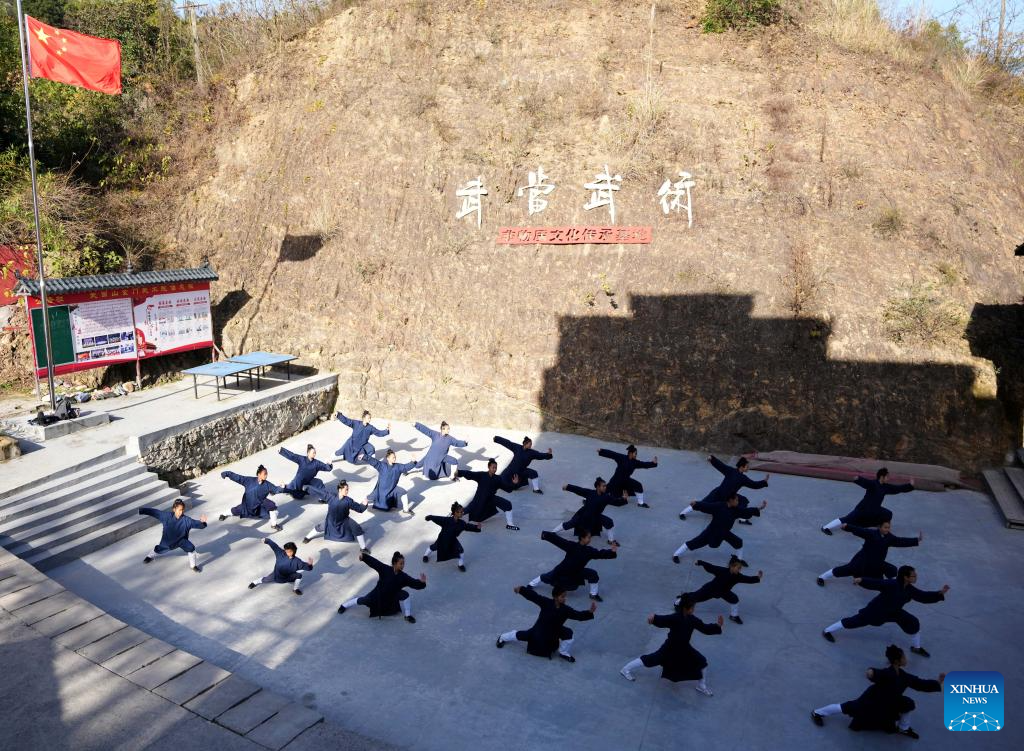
(426, 559)
(643, 505)
(817, 719)
(512, 527)
(682, 516)
(341, 609)
(499, 643)
(745, 521)
(920, 651)
(196, 569)
(597, 598)
(675, 559)
(828, 636)
(821, 582)
(736, 619)
(252, 586)
(277, 527)
(909, 732)
(827, 531)
(297, 591)
(223, 517)
(305, 541)
(567, 658)
(409, 619)
(148, 559)
(364, 550)
(462, 568)
(539, 492)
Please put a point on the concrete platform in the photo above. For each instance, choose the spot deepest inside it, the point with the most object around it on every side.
(85, 420)
(441, 684)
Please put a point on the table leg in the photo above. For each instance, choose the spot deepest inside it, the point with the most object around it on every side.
(195, 388)
(289, 367)
(216, 381)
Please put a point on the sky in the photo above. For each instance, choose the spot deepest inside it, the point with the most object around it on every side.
(947, 11)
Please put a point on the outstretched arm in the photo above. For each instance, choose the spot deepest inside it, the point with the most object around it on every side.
(709, 629)
(456, 443)
(379, 432)
(870, 583)
(151, 512)
(890, 489)
(754, 484)
(538, 456)
(431, 434)
(718, 464)
(532, 596)
(234, 477)
(922, 684)
(860, 532)
(273, 546)
(903, 542)
(373, 563)
(506, 443)
(289, 455)
(615, 456)
(926, 597)
(346, 420)
(438, 520)
(558, 542)
(577, 490)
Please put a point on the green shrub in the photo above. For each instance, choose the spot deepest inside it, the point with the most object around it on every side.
(721, 15)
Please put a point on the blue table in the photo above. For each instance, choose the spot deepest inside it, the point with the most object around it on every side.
(219, 370)
(261, 360)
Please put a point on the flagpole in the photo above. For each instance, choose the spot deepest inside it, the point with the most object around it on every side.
(23, 39)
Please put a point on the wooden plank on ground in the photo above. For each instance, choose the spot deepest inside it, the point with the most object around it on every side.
(1007, 498)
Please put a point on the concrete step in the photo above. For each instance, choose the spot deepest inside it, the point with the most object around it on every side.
(1007, 497)
(77, 546)
(132, 491)
(88, 525)
(83, 470)
(39, 510)
(58, 486)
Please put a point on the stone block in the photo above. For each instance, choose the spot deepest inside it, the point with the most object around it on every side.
(281, 729)
(67, 427)
(120, 641)
(18, 581)
(34, 593)
(164, 669)
(90, 632)
(191, 683)
(138, 657)
(76, 615)
(256, 709)
(222, 697)
(46, 607)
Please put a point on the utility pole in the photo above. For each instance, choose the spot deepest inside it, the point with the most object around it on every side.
(190, 8)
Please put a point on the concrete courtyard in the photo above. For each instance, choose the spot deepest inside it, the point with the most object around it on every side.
(441, 684)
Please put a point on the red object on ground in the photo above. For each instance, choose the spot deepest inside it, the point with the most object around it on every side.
(66, 56)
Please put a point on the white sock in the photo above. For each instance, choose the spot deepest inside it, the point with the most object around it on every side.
(361, 539)
(735, 611)
(904, 721)
(559, 529)
(834, 524)
(837, 626)
(407, 606)
(535, 582)
(609, 535)
(639, 498)
(426, 553)
(826, 575)
(405, 503)
(350, 603)
(703, 678)
(632, 665)
(683, 550)
(535, 483)
(915, 640)
(462, 561)
(508, 636)
(273, 518)
(565, 647)
(192, 560)
(508, 518)
(593, 589)
(311, 534)
(256, 582)
(828, 709)
(297, 583)
(687, 510)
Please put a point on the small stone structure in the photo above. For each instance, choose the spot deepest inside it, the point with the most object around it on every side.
(9, 448)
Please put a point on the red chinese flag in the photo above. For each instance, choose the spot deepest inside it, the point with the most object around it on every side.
(78, 59)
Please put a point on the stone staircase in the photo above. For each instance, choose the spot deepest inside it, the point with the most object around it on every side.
(1007, 486)
(85, 508)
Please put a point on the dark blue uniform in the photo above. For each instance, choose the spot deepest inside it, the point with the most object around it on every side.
(286, 570)
(436, 463)
(870, 559)
(305, 474)
(520, 462)
(887, 605)
(359, 442)
(622, 479)
(254, 498)
(678, 659)
(591, 514)
(175, 530)
(869, 512)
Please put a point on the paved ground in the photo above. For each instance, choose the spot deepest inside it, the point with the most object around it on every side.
(441, 684)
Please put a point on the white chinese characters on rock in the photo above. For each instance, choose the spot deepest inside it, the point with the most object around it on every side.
(471, 200)
(676, 196)
(603, 191)
(536, 188)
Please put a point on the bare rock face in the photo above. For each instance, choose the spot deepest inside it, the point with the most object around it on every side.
(9, 448)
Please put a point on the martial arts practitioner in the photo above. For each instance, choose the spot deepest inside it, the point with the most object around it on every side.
(254, 498)
(719, 529)
(486, 500)
(339, 526)
(386, 493)
(883, 706)
(591, 514)
(306, 473)
(725, 578)
(572, 571)
(678, 659)
(625, 465)
(519, 466)
(288, 567)
(447, 545)
(436, 463)
(887, 607)
(176, 527)
(733, 478)
(869, 512)
(359, 442)
(549, 632)
(389, 596)
(870, 559)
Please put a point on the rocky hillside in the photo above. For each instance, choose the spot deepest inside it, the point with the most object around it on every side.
(851, 213)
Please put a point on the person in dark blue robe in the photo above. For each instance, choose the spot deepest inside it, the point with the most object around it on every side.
(288, 567)
(883, 706)
(386, 493)
(622, 479)
(359, 442)
(733, 478)
(305, 475)
(720, 587)
(719, 529)
(549, 631)
(519, 465)
(447, 545)
(590, 515)
(572, 571)
(486, 500)
(678, 660)
(869, 511)
(339, 526)
(436, 463)
(389, 595)
(887, 607)
(255, 497)
(870, 560)
(174, 534)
